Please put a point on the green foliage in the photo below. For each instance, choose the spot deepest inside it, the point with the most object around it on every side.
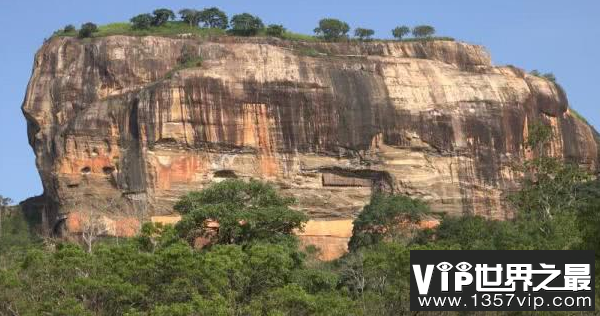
(190, 16)
(162, 16)
(332, 29)
(169, 278)
(142, 21)
(246, 24)
(214, 18)
(363, 34)
(400, 31)
(299, 37)
(381, 217)
(377, 278)
(245, 211)
(70, 28)
(588, 223)
(423, 31)
(158, 273)
(549, 186)
(429, 39)
(15, 232)
(311, 52)
(539, 135)
(87, 29)
(275, 30)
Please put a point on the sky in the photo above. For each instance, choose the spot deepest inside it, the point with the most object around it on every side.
(562, 37)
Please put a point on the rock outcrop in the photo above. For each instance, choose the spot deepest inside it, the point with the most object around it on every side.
(117, 121)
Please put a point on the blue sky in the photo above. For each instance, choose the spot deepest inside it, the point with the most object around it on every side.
(562, 37)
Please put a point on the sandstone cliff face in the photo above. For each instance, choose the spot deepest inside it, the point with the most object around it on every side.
(113, 122)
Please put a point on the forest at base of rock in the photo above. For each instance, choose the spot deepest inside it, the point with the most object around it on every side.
(253, 264)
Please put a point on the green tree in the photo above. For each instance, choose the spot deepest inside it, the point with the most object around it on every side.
(378, 278)
(332, 29)
(549, 186)
(275, 30)
(162, 16)
(588, 223)
(245, 211)
(214, 18)
(69, 28)
(400, 32)
(381, 218)
(246, 24)
(87, 29)
(421, 31)
(190, 16)
(363, 34)
(142, 21)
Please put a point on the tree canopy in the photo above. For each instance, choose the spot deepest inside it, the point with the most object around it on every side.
(400, 32)
(244, 211)
(423, 31)
(332, 29)
(190, 16)
(162, 16)
(246, 24)
(214, 18)
(275, 30)
(363, 34)
(142, 21)
(87, 29)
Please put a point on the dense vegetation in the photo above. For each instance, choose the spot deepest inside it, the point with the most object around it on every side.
(251, 264)
(214, 22)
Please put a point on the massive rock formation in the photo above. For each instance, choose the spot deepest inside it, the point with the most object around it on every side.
(117, 124)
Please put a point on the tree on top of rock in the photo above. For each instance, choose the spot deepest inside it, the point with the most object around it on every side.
(246, 24)
(142, 21)
(400, 31)
(363, 34)
(190, 16)
(423, 31)
(214, 18)
(332, 29)
(162, 16)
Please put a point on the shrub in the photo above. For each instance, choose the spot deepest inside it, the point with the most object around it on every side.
(214, 18)
(162, 16)
(87, 30)
(423, 31)
(69, 28)
(363, 34)
(400, 31)
(246, 24)
(332, 29)
(275, 30)
(142, 21)
(190, 16)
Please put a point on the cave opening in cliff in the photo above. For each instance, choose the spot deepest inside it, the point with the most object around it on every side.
(225, 174)
(108, 170)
